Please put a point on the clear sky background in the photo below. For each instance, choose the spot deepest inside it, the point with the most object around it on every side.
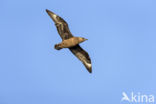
(121, 43)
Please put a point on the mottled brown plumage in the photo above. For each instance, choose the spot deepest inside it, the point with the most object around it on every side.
(65, 34)
(68, 43)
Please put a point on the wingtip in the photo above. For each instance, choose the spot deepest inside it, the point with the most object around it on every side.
(88, 67)
(90, 70)
(47, 10)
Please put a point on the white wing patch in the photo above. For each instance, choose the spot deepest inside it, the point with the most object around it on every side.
(88, 64)
(82, 58)
(54, 17)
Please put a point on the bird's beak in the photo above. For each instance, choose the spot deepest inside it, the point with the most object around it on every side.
(52, 15)
(86, 39)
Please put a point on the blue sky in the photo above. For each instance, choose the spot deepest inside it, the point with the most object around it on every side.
(121, 43)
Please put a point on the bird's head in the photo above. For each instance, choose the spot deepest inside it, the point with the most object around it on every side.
(81, 39)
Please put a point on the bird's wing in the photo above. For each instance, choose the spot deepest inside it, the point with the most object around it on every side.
(83, 56)
(61, 25)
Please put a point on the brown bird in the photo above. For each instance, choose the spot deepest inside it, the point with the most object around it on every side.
(69, 41)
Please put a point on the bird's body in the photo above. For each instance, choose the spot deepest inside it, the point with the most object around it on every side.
(69, 41)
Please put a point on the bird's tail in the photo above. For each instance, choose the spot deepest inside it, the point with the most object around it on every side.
(57, 47)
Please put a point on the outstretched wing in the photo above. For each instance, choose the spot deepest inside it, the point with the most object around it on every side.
(64, 32)
(83, 56)
(61, 25)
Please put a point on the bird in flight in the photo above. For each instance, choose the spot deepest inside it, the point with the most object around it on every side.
(69, 41)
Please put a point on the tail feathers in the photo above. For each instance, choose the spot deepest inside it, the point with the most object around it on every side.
(57, 47)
